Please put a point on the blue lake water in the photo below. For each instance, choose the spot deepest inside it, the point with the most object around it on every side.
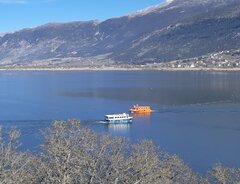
(196, 114)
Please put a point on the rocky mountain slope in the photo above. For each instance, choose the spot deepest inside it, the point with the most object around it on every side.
(176, 29)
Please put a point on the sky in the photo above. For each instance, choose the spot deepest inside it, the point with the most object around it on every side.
(19, 14)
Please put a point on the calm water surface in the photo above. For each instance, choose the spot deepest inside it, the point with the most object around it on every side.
(197, 114)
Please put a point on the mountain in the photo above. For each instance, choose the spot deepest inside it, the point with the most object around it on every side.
(2, 34)
(174, 30)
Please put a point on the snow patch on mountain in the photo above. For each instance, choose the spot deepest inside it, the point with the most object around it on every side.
(151, 9)
(2, 34)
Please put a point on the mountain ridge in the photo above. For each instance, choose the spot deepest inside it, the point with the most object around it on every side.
(177, 29)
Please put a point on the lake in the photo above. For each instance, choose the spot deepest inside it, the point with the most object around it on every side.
(196, 114)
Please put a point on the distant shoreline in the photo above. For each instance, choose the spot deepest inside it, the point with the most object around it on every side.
(117, 69)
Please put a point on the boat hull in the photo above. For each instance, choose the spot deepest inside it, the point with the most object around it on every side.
(119, 121)
(136, 109)
(139, 111)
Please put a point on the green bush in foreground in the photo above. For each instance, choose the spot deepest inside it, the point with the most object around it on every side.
(74, 155)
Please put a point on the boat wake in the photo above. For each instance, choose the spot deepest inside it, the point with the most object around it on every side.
(101, 122)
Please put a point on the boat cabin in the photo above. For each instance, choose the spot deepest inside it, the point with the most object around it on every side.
(140, 109)
(118, 118)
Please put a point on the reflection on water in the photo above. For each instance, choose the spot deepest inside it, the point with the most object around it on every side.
(118, 127)
(167, 88)
(143, 115)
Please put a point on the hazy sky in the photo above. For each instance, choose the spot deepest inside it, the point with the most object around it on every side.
(18, 14)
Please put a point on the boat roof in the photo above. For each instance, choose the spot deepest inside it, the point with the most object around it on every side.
(141, 106)
(123, 114)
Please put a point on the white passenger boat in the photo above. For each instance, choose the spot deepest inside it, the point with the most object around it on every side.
(118, 118)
